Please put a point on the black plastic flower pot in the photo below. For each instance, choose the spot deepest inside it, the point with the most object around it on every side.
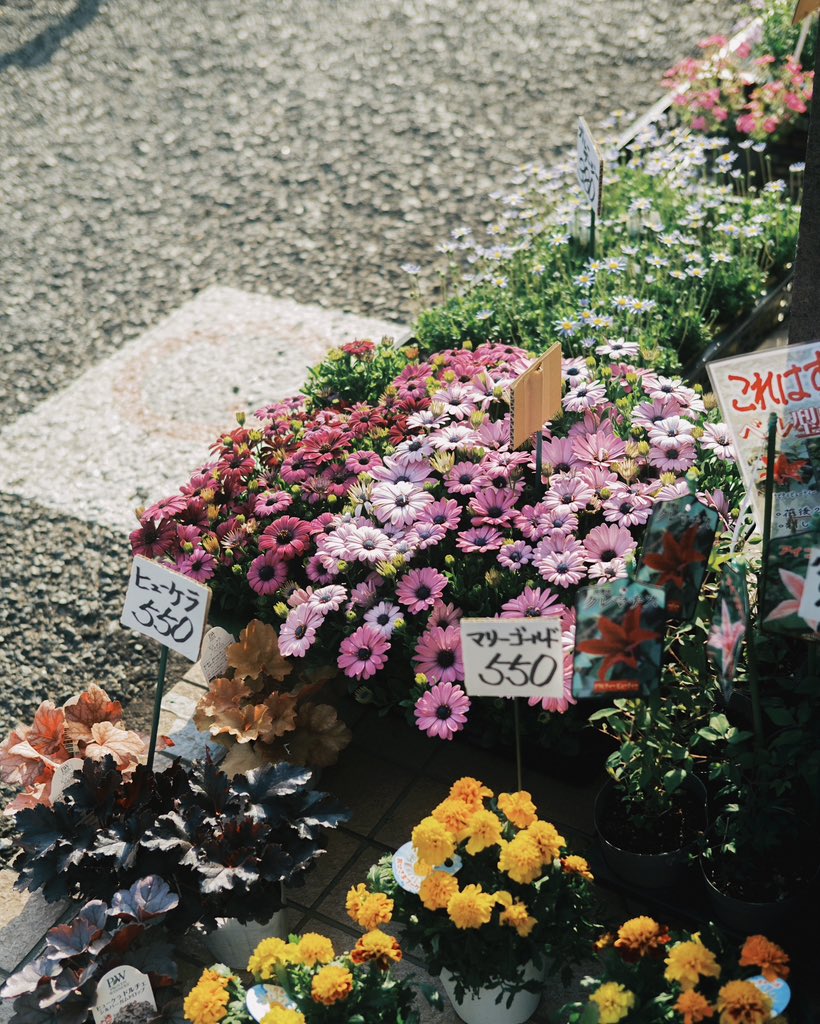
(662, 870)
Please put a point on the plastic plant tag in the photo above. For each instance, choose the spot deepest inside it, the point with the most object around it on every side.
(778, 991)
(260, 999)
(63, 777)
(124, 989)
(404, 867)
(213, 658)
(166, 606)
(729, 624)
(619, 629)
(787, 569)
(675, 552)
(590, 167)
(512, 657)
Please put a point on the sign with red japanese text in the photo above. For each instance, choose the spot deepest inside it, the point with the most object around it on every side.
(512, 657)
(785, 381)
(536, 396)
(124, 994)
(166, 606)
(590, 167)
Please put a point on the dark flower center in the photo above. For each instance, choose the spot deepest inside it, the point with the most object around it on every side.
(364, 654)
(465, 478)
(625, 507)
(441, 519)
(368, 545)
(607, 556)
(566, 499)
(383, 619)
(532, 613)
(423, 592)
(443, 711)
(284, 536)
(267, 572)
(401, 500)
(300, 631)
(563, 566)
(445, 659)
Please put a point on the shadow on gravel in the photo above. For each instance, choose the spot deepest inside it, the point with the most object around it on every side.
(42, 47)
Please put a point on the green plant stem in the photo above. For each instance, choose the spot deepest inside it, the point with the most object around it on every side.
(163, 664)
(754, 676)
(517, 723)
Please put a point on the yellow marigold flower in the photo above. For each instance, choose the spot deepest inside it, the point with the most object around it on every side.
(605, 941)
(269, 953)
(207, 1002)
(574, 865)
(277, 1014)
(433, 842)
(484, 829)
(454, 815)
(640, 937)
(518, 808)
(471, 791)
(773, 961)
(690, 961)
(437, 889)
(517, 916)
(521, 859)
(470, 908)
(368, 909)
(614, 1002)
(694, 1007)
(331, 985)
(741, 1002)
(378, 946)
(315, 949)
(547, 839)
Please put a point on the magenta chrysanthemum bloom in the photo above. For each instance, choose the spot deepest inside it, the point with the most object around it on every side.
(533, 603)
(465, 478)
(267, 573)
(399, 504)
(492, 507)
(442, 710)
(271, 503)
(286, 537)
(383, 617)
(199, 565)
(362, 654)
(514, 556)
(298, 631)
(603, 543)
(420, 589)
(438, 655)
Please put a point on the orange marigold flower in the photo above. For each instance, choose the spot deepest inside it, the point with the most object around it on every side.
(574, 865)
(518, 808)
(741, 1002)
(331, 985)
(547, 838)
(773, 961)
(484, 829)
(521, 859)
(688, 962)
(605, 941)
(437, 889)
(471, 791)
(368, 909)
(378, 946)
(641, 936)
(315, 949)
(517, 916)
(455, 816)
(471, 908)
(694, 1007)
(433, 843)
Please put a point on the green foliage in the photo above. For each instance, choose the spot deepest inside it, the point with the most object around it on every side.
(356, 372)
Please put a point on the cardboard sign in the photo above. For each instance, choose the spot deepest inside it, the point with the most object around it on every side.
(788, 576)
(512, 657)
(213, 659)
(803, 9)
(749, 388)
(124, 989)
(675, 552)
(809, 608)
(729, 625)
(166, 606)
(619, 629)
(536, 396)
(63, 777)
(590, 167)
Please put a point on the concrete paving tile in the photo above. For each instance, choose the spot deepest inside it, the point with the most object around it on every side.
(456, 758)
(341, 848)
(417, 804)
(368, 785)
(25, 917)
(561, 802)
(392, 737)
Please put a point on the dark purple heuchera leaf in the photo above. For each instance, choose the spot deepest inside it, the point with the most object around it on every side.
(265, 787)
(146, 899)
(27, 1010)
(25, 980)
(67, 940)
(319, 810)
(155, 960)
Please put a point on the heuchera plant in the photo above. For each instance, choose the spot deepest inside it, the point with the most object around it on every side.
(225, 845)
(59, 987)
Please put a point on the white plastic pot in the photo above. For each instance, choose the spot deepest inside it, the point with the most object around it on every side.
(484, 1007)
(233, 942)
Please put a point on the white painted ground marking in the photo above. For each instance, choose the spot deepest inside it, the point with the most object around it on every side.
(133, 428)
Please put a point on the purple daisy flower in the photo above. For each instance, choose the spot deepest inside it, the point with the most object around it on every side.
(267, 573)
(420, 589)
(298, 631)
(442, 710)
(364, 653)
(438, 655)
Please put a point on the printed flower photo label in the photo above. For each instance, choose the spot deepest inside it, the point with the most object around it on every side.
(166, 606)
(789, 572)
(513, 657)
(729, 625)
(785, 381)
(619, 635)
(675, 552)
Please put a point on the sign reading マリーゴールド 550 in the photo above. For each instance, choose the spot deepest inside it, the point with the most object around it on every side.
(785, 381)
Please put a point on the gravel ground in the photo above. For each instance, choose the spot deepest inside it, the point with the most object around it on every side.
(305, 149)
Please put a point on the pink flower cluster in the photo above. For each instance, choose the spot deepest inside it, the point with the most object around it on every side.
(371, 530)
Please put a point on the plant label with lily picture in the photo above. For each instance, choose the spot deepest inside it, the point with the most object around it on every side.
(512, 657)
(729, 625)
(675, 552)
(619, 631)
(810, 601)
(124, 992)
(166, 606)
(785, 381)
(788, 576)
(535, 397)
(590, 167)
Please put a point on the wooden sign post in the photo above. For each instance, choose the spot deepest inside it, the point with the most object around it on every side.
(535, 398)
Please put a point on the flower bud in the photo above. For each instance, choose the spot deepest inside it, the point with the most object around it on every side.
(281, 609)
(241, 417)
(421, 679)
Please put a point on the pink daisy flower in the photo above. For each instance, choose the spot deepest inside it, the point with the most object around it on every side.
(327, 599)
(438, 655)
(189, 535)
(450, 438)
(442, 710)
(364, 653)
(364, 594)
(673, 455)
(608, 572)
(415, 449)
(420, 589)
(674, 427)
(558, 704)
(369, 545)
(479, 539)
(298, 631)
(716, 439)
(562, 568)
(600, 479)
(153, 539)
(271, 503)
(383, 617)
(603, 543)
(362, 462)
(557, 455)
(514, 556)
(445, 512)
(586, 395)
(492, 507)
(425, 535)
(317, 572)
(647, 414)
(267, 573)
(198, 565)
(627, 508)
(600, 448)
(570, 493)
(444, 615)
(465, 478)
(287, 537)
(399, 504)
(533, 603)
(401, 471)
(575, 370)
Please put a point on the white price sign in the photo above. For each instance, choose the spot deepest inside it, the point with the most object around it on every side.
(121, 989)
(512, 657)
(590, 167)
(809, 610)
(166, 606)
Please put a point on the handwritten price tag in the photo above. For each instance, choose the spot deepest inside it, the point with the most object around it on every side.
(590, 167)
(809, 609)
(166, 606)
(512, 657)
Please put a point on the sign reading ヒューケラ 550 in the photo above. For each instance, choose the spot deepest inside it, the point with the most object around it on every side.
(784, 381)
